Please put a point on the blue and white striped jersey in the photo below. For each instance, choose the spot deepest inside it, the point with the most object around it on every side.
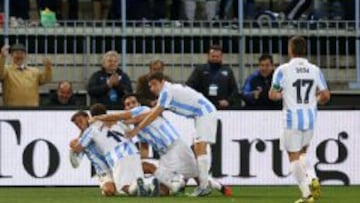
(160, 134)
(96, 159)
(299, 81)
(111, 142)
(184, 101)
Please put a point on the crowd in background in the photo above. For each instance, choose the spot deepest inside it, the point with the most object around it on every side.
(214, 79)
(180, 9)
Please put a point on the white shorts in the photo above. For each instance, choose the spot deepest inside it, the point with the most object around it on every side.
(206, 127)
(294, 140)
(126, 171)
(105, 178)
(179, 159)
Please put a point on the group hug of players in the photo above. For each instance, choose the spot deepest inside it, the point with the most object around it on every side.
(108, 142)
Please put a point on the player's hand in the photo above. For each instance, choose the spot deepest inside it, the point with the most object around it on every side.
(153, 103)
(257, 93)
(114, 80)
(224, 103)
(131, 133)
(73, 143)
(47, 63)
(93, 119)
(5, 50)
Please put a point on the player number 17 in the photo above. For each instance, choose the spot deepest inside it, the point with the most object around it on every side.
(303, 83)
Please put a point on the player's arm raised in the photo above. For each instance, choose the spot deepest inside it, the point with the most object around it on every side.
(137, 119)
(112, 117)
(154, 113)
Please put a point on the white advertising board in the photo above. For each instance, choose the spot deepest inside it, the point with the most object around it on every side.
(34, 148)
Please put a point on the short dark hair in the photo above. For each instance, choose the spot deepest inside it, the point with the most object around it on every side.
(77, 114)
(97, 109)
(156, 62)
(266, 57)
(215, 47)
(17, 47)
(298, 45)
(129, 95)
(159, 76)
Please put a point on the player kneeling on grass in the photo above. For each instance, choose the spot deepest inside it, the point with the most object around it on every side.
(177, 161)
(102, 169)
(120, 153)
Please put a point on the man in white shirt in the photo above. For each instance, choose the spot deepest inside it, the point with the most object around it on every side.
(302, 86)
(185, 101)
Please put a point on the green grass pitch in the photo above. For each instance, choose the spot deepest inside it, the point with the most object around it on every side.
(284, 194)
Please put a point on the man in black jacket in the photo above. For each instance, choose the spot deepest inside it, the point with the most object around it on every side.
(257, 86)
(63, 97)
(215, 80)
(110, 84)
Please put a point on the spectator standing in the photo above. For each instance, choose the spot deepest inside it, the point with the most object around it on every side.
(110, 84)
(146, 97)
(63, 96)
(257, 86)
(21, 82)
(215, 80)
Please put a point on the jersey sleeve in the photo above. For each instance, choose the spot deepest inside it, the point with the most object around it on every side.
(165, 98)
(321, 82)
(86, 137)
(278, 79)
(138, 110)
(75, 158)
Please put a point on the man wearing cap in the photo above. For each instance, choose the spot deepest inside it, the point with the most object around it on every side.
(21, 82)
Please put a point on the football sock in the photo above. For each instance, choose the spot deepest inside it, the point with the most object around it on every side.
(299, 174)
(310, 171)
(203, 165)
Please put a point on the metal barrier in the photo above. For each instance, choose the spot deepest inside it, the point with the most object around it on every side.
(76, 47)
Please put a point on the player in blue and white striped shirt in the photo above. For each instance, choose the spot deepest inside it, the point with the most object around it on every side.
(189, 103)
(175, 156)
(102, 169)
(120, 153)
(302, 86)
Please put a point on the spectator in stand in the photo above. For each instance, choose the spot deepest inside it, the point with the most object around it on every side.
(257, 86)
(190, 8)
(146, 97)
(215, 80)
(63, 96)
(21, 82)
(110, 84)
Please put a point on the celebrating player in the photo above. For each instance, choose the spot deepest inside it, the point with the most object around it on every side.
(175, 156)
(120, 153)
(102, 169)
(187, 102)
(301, 85)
